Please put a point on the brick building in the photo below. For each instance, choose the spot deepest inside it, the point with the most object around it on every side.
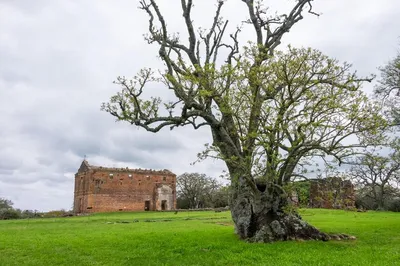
(102, 189)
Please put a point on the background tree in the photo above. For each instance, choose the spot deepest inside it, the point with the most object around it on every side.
(268, 111)
(7, 211)
(220, 198)
(378, 176)
(198, 190)
(388, 87)
(5, 204)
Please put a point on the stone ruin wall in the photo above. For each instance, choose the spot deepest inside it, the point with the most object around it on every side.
(332, 193)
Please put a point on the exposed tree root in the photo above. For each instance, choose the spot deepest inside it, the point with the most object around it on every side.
(262, 218)
(292, 227)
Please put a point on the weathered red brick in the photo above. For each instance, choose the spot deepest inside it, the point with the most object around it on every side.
(102, 189)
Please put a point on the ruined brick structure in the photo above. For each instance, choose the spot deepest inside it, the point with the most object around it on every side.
(102, 189)
(332, 193)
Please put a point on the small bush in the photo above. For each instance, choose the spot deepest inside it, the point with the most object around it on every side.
(28, 214)
(8, 214)
(394, 205)
(364, 202)
(57, 213)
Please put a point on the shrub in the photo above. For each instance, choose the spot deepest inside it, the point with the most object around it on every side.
(364, 202)
(57, 213)
(27, 214)
(8, 214)
(394, 205)
(302, 189)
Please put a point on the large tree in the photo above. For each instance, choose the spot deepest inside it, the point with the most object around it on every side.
(378, 174)
(197, 189)
(268, 111)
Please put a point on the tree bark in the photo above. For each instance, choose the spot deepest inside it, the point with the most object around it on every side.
(260, 217)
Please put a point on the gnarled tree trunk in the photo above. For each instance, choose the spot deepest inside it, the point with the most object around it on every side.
(261, 217)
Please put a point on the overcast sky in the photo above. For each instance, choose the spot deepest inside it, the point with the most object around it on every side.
(58, 59)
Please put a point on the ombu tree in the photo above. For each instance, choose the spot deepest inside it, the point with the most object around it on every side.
(268, 111)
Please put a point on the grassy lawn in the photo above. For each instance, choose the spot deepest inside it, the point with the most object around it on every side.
(193, 238)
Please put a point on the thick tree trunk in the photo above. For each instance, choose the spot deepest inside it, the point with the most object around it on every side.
(261, 218)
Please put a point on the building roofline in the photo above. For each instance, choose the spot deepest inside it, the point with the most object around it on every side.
(126, 169)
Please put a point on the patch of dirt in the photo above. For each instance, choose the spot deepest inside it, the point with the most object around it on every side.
(225, 223)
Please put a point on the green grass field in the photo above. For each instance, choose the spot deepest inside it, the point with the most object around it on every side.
(194, 238)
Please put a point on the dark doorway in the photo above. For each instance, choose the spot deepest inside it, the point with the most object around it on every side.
(80, 205)
(147, 205)
(163, 205)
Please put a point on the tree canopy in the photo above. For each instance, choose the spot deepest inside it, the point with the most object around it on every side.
(388, 88)
(268, 110)
(197, 189)
(377, 174)
(307, 105)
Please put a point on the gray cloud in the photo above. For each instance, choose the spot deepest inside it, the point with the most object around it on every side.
(58, 61)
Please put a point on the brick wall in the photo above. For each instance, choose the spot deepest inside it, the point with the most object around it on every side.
(99, 189)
